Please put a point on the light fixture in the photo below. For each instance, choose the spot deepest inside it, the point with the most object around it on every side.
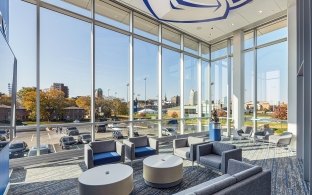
(232, 24)
(260, 11)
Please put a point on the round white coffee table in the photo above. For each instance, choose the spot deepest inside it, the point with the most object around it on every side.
(163, 170)
(107, 179)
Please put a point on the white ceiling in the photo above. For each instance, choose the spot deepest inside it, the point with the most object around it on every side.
(255, 11)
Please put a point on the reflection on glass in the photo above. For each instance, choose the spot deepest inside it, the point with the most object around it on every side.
(111, 75)
(249, 88)
(171, 38)
(145, 27)
(190, 45)
(145, 80)
(219, 50)
(112, 14)
(272, 32)
(171, 84)
(249, 40)
(205, 51)
(190, 87)
(82, 7)
(272, 88)
(205, 89)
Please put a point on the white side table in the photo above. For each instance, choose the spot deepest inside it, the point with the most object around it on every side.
(107, 179)
(163, 170)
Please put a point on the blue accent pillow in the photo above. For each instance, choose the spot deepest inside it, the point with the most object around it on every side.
(144, 151)
(106, 157)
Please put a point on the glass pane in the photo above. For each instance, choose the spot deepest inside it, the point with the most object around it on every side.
(272, 32)
(205, 89)
(205, 51)
(272, 76)
(6, 75)
(145, 80)
(171, 84)
(190, 87)
(219, 88)
(219, 50)
(112, 14)
(67, 92)
(145, 28)
(171, 38)
(25, 49)
(82, 7)
(190, 45)
(249, 40)
(111, 75)
(249, 88)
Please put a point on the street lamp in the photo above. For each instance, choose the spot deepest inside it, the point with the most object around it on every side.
(145, 92)
(127, 92)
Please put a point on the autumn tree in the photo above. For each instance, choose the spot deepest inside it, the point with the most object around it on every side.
(103, 108)
(70, 102)
(280, 113)
(5, 100)
(174, 115)
(84, 102)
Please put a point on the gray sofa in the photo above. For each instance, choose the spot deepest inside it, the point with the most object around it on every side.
(140, 147)
(241, 179)
(216, 155)
(186, 147)
(103, 152)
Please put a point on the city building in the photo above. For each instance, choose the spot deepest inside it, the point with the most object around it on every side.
(237, 75)
(61, 87)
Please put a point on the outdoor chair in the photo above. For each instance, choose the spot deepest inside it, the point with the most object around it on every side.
(245, 133)
(140, 147)
(216, 155)
(186, 147)
(282, 140)
(103, 152)
(263, 136)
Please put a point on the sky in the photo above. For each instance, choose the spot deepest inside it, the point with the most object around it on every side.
(65, 58)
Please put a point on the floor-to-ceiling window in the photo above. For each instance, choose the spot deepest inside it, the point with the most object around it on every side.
(270, 46)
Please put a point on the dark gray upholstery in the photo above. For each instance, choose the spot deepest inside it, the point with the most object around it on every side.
(186, 147)
(216, 155)
(246, 180)
(102, 147)
(142, 141)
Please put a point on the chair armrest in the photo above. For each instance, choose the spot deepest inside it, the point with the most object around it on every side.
(274, 139)
(180, 143)
(193, 150)
(129, 149)
(88, 156)
(120, 149)
(154, 143)
(235, 154)
(203, 150)
(260, 133)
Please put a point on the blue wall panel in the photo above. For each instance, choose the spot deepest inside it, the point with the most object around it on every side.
(4, 168)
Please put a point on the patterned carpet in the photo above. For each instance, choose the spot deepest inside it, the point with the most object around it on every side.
(61, 177)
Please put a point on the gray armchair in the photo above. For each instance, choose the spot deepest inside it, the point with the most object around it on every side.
(103, 152)
(186, 147)
(245, 133)
(283, 140)
(216, 155)
(263, 136)
(139, 147)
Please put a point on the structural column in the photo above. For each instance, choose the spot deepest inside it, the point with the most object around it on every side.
(182, 86)
(229, 89)
(131, 76)
(93, 71)
(38, 77)
(238, 80)
(199, 86)
(292, 76)
(160, 81)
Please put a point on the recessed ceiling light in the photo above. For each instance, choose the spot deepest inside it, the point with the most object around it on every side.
(260, 11)
(232, 24)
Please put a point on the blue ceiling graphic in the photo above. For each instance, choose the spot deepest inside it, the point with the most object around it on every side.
(192, 11)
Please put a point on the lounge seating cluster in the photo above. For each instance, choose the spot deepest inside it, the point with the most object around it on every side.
(236, 177)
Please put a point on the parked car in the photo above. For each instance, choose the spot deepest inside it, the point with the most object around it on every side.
(67, 141)
(17, 149)
(84, 138)
(44, 149)
(71, 131)
(168, 132)
(2, 138)
(76, 121)
(4, 133)
(117, 134)
(100, 128)
(3, 144)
